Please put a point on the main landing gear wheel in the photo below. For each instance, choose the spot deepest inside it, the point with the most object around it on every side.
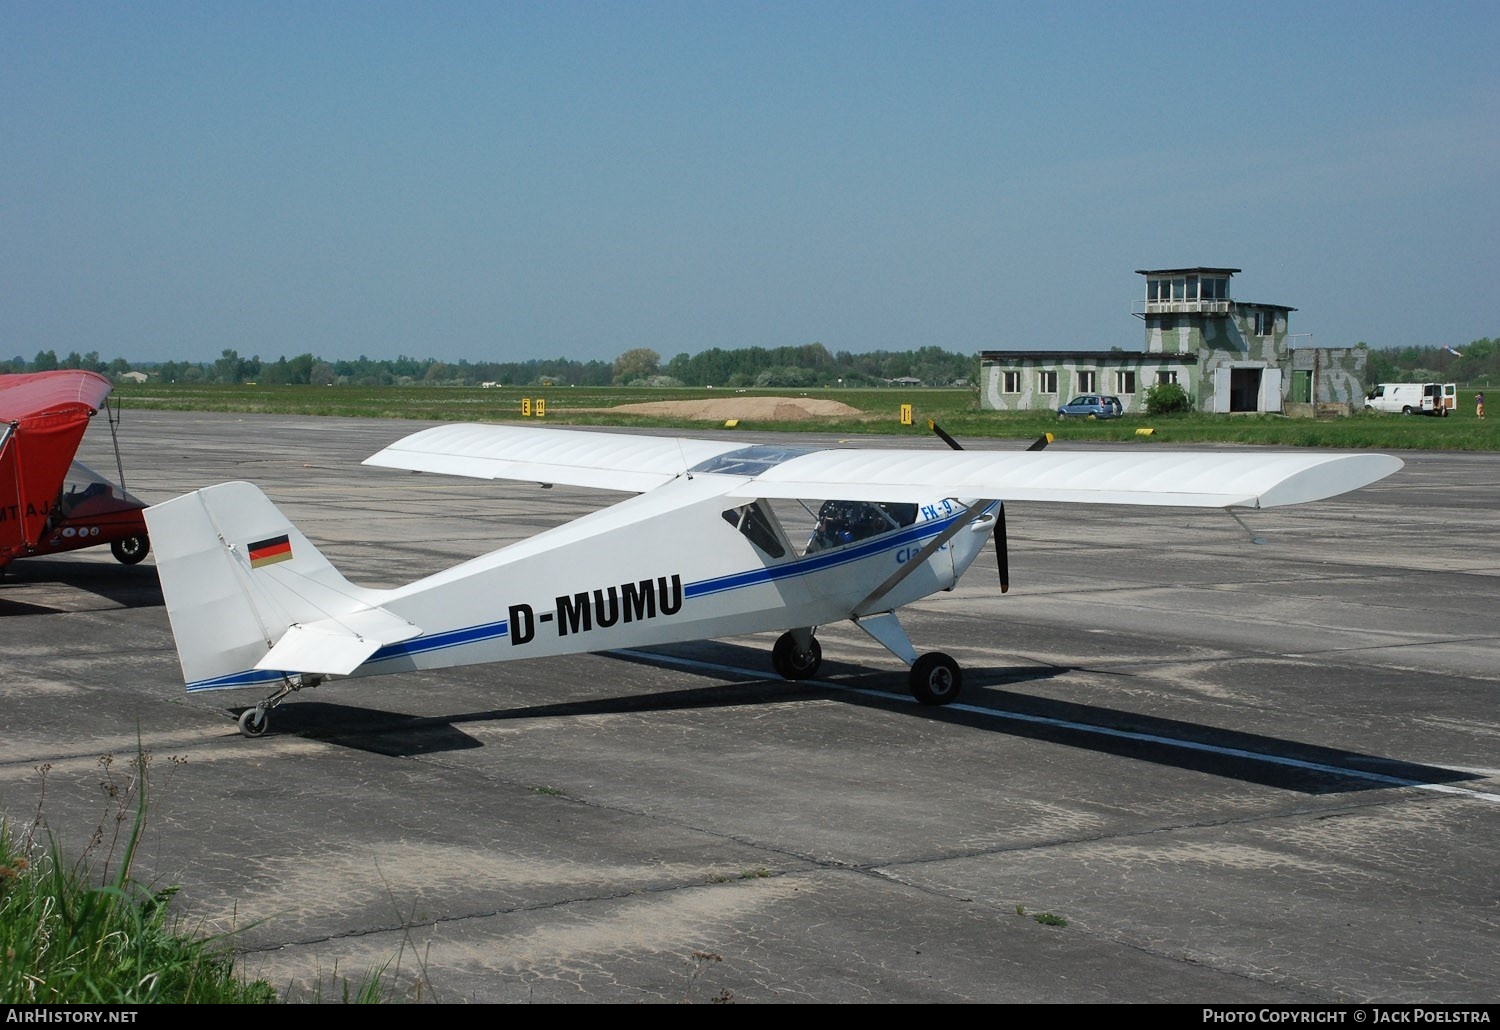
(793, 663)
(253, 721)
(936, 679)
(130, 550)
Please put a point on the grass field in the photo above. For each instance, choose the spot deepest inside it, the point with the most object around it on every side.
(956, 410)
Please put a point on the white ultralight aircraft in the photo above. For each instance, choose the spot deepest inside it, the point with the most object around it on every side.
(700, 551)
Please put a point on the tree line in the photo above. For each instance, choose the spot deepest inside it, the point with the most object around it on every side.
(1477, 364)
(805, 365)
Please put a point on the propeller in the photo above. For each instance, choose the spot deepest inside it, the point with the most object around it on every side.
(1002, 549)
(1002, 546)
(932, 424)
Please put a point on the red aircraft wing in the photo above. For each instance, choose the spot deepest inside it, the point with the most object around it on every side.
(42, 419)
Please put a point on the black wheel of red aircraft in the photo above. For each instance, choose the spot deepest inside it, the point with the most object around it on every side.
(791, 662)
(131, 550)
(936, 679)
(253, 722)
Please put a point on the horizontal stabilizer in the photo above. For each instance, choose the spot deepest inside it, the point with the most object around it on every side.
(336, 647)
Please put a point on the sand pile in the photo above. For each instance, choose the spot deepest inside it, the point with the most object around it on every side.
(749, 409)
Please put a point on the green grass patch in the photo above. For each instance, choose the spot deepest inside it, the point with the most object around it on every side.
(880, 410)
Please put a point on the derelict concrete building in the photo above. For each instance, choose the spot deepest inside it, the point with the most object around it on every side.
(1228, 355)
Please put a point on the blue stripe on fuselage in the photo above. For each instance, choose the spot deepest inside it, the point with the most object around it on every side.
(818, 561)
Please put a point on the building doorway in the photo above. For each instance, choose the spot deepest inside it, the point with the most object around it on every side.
(1244, 389)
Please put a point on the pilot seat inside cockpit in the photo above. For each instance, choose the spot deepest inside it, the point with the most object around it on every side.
(845, 522)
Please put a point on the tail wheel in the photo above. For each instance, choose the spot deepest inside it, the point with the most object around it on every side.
(936, 679)
(793, 663)
(253, 721)
(130, 550)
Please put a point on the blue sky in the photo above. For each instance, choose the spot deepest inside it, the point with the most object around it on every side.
(502, 181)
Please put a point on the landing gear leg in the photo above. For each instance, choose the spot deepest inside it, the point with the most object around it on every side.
(935, 678)
(797, 655)
(253, 721)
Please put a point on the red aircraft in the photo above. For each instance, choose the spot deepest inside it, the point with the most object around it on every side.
(48, 501)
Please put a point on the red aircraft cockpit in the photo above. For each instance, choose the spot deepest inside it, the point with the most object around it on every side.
(49, 502)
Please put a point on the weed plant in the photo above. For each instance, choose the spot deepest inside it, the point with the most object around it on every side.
(86, 932)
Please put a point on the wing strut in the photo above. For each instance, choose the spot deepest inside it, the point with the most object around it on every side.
(976, 512)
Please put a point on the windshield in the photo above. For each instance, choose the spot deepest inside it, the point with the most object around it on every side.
(750, 461)
(86, 489)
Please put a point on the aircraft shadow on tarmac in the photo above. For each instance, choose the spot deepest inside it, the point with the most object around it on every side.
(51, 587)
(1269, 761)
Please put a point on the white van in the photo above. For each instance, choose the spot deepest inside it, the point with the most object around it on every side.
(1413, 398)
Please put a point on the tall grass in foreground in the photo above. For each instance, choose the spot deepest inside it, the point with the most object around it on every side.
(86, 932)
(66, 940)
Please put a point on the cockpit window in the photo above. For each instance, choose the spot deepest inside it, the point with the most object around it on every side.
(756, 523)
(844, 522)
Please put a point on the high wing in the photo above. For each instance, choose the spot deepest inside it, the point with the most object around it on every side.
(606, 461)
(619, 461)
(43, 416)
(1190, 479)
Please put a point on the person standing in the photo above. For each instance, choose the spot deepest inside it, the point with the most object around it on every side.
(1479, 405)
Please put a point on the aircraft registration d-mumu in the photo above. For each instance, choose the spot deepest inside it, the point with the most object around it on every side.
(704, 548)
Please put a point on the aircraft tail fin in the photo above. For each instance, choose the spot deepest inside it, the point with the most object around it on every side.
(250, 598)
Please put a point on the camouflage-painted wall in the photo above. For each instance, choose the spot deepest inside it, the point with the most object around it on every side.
(1111, 370)
(1230, 341)
(1333, 375)
(1308, 376)
(1180, 338)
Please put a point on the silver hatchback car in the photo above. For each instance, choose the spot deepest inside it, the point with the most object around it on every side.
(1092, 405)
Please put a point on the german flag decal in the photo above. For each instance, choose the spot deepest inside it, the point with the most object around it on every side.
(269, 552)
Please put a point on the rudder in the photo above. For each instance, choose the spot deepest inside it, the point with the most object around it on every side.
(236, 575)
